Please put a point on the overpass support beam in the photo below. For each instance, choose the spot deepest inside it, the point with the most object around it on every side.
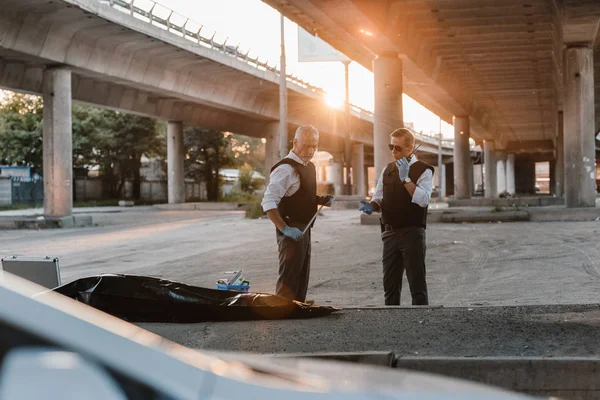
(559, 165)
(510, 173)
(358, 170)
(462, 160)
(57, 143)
(579, 146)
(501, 172)
(442, 174)
(271, 146)
(175, 156)
(387, 70)
(489, 183)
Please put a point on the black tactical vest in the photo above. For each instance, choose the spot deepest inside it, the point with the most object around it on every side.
(302, 205)
(397, 208)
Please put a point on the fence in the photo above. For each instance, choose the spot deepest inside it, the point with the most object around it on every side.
(27, 191)
(5, 191)
(23, 191)
(151, 191)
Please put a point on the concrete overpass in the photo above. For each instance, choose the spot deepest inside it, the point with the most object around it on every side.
(116, 55)
(512, 74)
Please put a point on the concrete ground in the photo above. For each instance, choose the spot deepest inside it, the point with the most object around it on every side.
(523, 331)
(468, 264)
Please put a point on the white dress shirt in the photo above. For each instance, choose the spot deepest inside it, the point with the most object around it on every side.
(422, 191)
(284, 181)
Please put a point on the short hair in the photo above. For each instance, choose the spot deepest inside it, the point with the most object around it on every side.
(305, 130)
(405, 133)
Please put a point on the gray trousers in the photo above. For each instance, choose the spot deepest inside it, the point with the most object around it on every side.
(294, 266)
(404, 249)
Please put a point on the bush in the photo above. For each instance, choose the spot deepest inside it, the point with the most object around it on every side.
(238, 196)
(325, 188)
(247, 183)
(254, 210)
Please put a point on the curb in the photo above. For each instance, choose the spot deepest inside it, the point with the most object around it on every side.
(72, 221)
(221, 206)
(564, 377)
(380, 358)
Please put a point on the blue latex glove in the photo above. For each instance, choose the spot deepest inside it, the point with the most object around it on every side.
(366, 207)
(325, 200)
(403, 168)
(292, 233)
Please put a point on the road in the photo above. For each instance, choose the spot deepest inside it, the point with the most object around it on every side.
(467, 264)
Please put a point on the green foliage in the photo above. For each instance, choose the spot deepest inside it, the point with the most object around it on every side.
(19, 206)
(116, 142)
(247, 182)
(112, 140)
(246, 150)
(254, 210)
(206, 154)
(239, 196)
(21, 131)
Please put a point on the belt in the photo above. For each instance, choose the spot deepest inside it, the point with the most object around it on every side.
(392, 228)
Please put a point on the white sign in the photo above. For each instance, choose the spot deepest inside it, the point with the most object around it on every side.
(312, 48)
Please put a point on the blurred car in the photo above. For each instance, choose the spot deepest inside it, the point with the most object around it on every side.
(53, 347)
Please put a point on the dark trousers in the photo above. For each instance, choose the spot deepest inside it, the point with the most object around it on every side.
(404, 249)
(294, 266)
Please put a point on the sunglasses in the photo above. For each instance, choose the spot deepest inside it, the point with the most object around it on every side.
(397, 148)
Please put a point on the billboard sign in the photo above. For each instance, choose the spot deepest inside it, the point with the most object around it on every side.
(314, 49)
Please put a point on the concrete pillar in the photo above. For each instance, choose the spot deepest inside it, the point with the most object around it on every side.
(490, 180)
(323, 174)
(358, 169)
(442, 173)
(553, 177)
(471, 177)
(366, 187)
(175, 155)
(559, 171)
(271, 147)
(500, 172)
(462, 160)
(336, 176)
(510, 173)
(57, 143)
(387, 70)
(579, 146)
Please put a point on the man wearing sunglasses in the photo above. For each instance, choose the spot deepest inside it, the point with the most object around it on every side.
(290, 202)
(402, 196)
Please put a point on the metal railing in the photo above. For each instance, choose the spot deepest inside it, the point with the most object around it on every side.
(181, 25)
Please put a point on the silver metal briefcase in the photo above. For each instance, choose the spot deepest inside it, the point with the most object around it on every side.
(41, 270)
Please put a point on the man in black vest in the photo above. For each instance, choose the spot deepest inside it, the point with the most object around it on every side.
(290, 202)
(402, 196)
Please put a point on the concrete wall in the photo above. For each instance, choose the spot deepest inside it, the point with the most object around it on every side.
(5, 191)
(88, 189)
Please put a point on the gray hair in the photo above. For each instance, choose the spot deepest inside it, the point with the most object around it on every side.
(305, 130)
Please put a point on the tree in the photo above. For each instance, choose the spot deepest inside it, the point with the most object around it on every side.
(121, 150)
(112, 140)
(247, 150)
(206, 154)
(21, 120)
